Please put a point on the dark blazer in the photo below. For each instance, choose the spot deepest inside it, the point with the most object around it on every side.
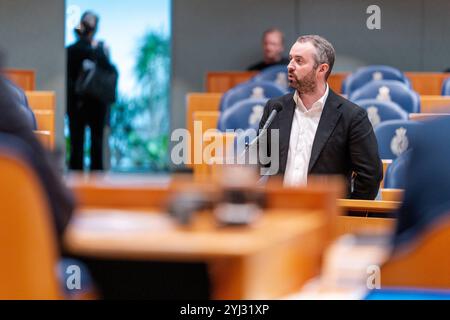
(344, 143)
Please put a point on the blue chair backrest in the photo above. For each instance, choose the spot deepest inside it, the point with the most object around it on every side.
(364, 75)
(276, 74)
(380, 111)
(396, 172)
(394, 137)
(446, 87)
(389, 90)
(253, 89)
(242, 115)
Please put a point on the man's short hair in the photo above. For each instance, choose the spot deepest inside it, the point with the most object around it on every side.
(324, 50)
(273, 30)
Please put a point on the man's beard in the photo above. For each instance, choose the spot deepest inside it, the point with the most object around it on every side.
(307, 84)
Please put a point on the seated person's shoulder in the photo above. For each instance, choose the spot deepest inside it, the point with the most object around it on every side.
(257, 66)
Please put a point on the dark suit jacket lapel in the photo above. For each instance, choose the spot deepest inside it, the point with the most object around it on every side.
(285, 118)
(327, 123)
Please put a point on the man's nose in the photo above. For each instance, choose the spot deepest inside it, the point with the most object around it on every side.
(290, 66)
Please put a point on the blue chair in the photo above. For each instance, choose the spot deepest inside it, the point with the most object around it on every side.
(380, 111)
(446, 87)
(253, 89)
(396, 172)
(243, 114)
(276, 74)
(389, 90)
(364, 75)
(395, 137)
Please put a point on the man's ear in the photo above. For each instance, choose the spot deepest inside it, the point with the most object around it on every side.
(323, 68)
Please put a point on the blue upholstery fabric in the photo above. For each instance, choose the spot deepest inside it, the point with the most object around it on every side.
(395, 137)
(446, 87)
(275, 74)
(364, 75)
(397, 171)
(256, 89)
(242, 115)
(391, 90)
(380, 111)
(427, 187)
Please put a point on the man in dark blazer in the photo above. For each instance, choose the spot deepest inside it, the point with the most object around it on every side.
(320, 132)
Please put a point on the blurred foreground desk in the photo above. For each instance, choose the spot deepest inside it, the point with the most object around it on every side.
(131, 191)
(270, 259)
(150, 191)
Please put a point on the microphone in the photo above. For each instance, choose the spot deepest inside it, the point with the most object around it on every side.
(277, 107)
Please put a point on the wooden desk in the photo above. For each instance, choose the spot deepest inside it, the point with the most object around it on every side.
(369, 205)
(244, 263)
(147, 191)
(119, 190)
(427, 116)
(434, 104)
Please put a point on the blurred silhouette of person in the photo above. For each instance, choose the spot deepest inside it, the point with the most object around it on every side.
(21, 98)
(427, 188)
(84, 108)
(273, 48)
(16, 121)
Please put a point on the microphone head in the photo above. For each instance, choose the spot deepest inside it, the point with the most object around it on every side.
(277, 106)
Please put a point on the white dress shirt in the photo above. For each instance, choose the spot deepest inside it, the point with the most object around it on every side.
(304, 127)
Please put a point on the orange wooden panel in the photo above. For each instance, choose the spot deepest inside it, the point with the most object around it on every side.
(427, 116)
(25, 79)
(434, 104)
(199, 102)
(46, 122)
(335, 80)
(427, 83)
(45, 100)
(369, 205)
(368, 225)
(204, 121)
(392, 194)
(222, 81)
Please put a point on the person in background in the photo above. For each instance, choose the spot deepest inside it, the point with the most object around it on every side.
(86, 110)
(273, 48)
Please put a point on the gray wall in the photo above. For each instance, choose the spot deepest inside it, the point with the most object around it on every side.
(32, 36)
(225, 35)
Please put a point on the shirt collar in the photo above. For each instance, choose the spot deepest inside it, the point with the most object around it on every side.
(317, 106)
